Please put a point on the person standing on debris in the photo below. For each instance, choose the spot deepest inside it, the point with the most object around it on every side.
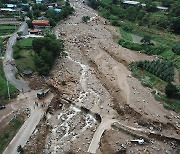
(14, 116)
(34, 105)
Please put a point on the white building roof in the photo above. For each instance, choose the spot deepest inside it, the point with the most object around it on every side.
(131, 2)
(162, 8)
(7, 9)
(143, 4)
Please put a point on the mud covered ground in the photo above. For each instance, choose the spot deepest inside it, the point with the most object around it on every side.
(95, 75)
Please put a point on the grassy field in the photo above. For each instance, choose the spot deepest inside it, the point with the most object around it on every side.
(3, 85)
(8, 132)
(7, 29)
(24, 55)
(125, 35)
(25, 42)
(161, 37)
(26, 60)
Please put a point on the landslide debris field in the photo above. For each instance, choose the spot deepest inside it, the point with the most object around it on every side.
(105, 106)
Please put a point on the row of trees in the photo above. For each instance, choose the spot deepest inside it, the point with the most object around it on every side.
(146, 47)
(161, 68)
(47, 49)
(116, 10)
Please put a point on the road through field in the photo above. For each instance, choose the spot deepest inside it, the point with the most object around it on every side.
(9, 69)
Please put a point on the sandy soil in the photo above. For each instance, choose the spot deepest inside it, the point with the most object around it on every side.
(97, 78)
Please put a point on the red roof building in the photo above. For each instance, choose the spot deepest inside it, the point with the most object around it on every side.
(41, 22)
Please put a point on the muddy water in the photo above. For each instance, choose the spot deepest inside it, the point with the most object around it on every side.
(85, 90)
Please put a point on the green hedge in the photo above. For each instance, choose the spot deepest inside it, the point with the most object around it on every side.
(147, 49)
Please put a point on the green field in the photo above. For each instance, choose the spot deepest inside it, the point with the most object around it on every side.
(7, 29)
(8, 132)
(25, 42)
(3, 85)
(23, 54)
(163, 38)
(26, 60)
(125, 35)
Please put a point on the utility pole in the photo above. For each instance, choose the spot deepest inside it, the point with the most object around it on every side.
(8, 90)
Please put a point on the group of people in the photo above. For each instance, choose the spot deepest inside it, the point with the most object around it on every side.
(36, 104)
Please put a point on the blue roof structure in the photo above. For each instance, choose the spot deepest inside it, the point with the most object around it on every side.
(10, 5)
(39, 1)
(57, 10)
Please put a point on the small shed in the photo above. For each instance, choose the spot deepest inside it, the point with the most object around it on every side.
(27, 72)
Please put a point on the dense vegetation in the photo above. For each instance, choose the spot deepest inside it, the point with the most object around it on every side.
(145, 48)
(47, 49)
(51, 14)
(161, 68)
(176, 49)
(54, 17)
(8, 132)
(148, 15)
(172, 91)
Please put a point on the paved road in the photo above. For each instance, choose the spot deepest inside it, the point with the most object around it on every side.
(25, 132)
(9, 69)
(30, 124)
(104, 125)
